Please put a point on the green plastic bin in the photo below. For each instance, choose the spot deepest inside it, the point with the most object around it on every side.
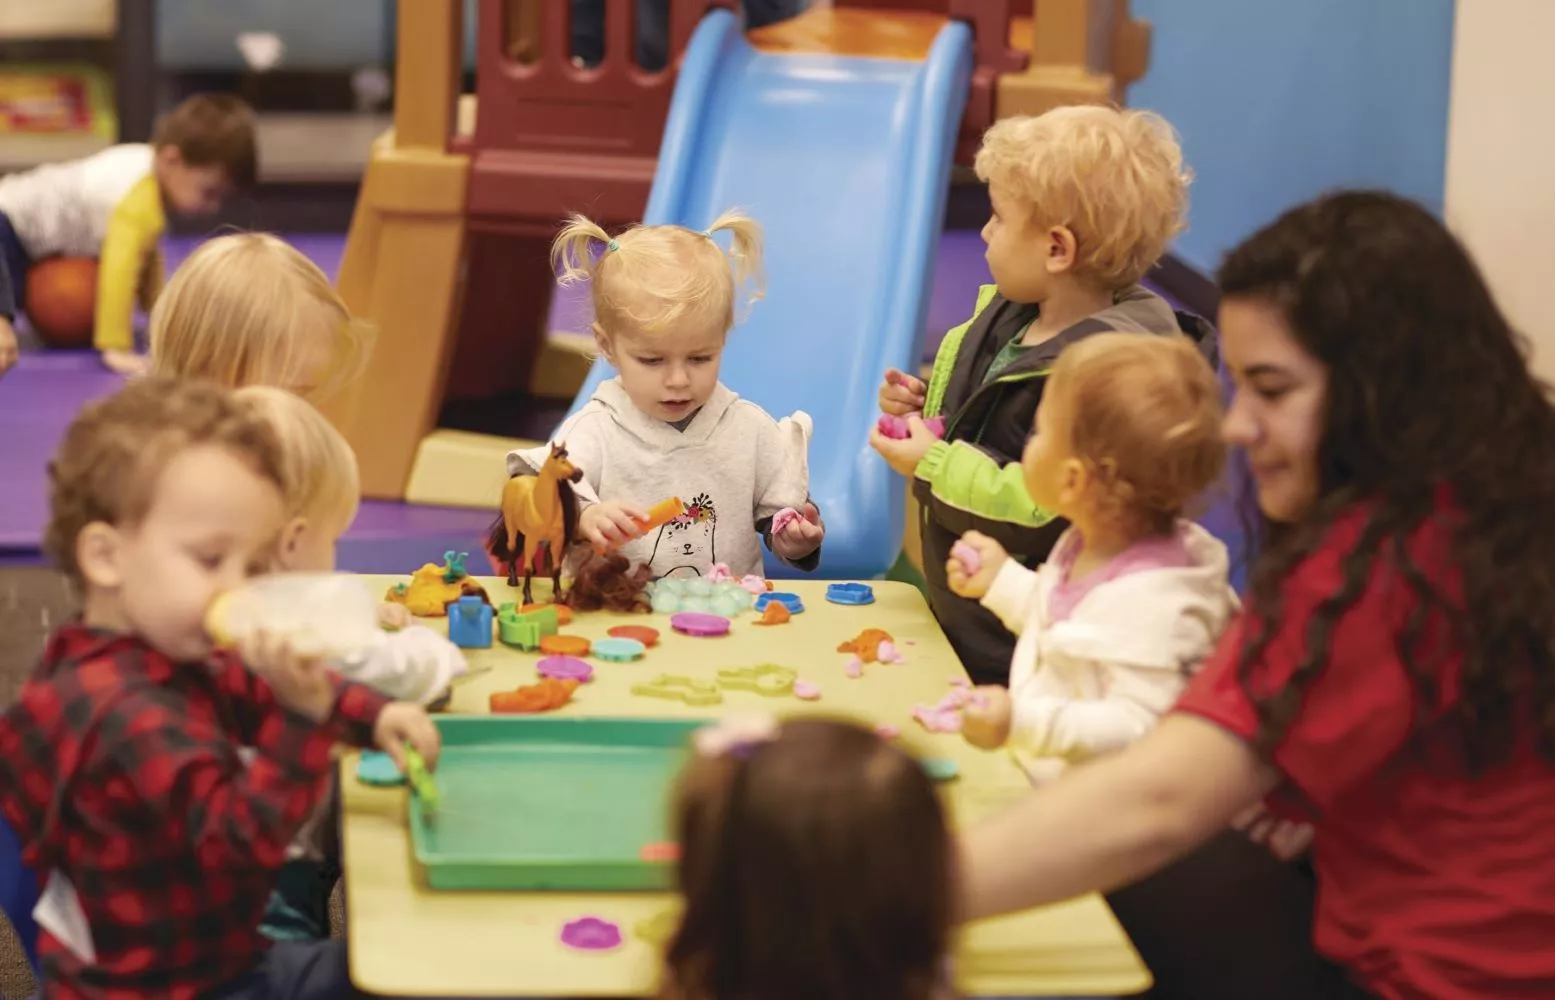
(558, 804)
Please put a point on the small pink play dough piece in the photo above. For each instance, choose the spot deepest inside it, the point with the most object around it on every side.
(887, 653)
(699, 624)
(854, 667)
(784, 518)
(806, 691)
(896, 428)
(968, 557)
(591, 934)
(886, 731)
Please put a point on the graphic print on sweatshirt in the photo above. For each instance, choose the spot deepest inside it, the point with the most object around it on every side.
(686, 544)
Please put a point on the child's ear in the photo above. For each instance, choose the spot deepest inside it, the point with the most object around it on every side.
(98, 554)
(169, 158)
(1062, 249)
(1074, 478)
(288, 547)
(602, 342)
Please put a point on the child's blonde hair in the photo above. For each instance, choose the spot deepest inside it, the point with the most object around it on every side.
(1114, 177)
(1143, 411)
(319, 477)
(654, 278)
(249, 309)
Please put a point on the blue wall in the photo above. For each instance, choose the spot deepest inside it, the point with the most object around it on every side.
(1279, 100)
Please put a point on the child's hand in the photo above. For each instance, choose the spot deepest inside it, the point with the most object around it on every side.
(8, 346)
(903, 455)
(972, 581)
(127, 363)
(403, 722)
(1284, 839)
(300, 683)
(800, 537)
(901, 394)
(985, 718)
(611, 522)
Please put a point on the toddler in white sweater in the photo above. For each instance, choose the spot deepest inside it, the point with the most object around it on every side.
(1133, 596)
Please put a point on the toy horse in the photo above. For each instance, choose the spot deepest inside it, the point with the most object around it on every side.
(539, 515)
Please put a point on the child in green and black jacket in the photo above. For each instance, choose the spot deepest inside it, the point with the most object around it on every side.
(1085, 200)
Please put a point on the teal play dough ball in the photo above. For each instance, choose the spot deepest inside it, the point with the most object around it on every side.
(665, 602)
(378, 769)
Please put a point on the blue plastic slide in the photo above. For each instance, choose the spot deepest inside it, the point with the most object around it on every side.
(845, 162)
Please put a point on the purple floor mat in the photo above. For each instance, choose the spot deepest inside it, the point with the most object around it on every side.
(41, 395)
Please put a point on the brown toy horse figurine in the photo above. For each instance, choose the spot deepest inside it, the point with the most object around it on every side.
(539, 515)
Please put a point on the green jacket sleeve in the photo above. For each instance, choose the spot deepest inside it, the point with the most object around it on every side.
(945, 357)
(969, 479)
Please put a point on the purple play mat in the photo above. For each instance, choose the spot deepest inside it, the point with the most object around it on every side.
(40, 396)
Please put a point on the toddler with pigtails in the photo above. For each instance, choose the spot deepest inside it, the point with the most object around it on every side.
(1133, 596)
(664, 426)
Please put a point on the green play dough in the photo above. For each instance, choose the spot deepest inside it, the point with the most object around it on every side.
(378, 769)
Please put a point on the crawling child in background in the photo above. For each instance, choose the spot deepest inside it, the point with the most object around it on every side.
(321, 492)
(815, 862)
(154, 783)
(113, 205)
(664, 426)
(1085, 200)
(249, 309)
(1133, 597)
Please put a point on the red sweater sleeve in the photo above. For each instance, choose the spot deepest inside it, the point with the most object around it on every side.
(1360, 709)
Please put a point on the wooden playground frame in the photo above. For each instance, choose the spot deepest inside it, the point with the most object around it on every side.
(447, 253)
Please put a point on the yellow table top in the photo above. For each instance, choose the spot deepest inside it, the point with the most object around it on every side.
(408, 940)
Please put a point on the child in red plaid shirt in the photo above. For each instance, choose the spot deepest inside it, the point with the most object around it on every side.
(153, 782)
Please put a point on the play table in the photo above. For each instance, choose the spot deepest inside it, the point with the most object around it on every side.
(406, 939)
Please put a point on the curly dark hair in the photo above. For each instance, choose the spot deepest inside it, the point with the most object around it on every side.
(1428, 389)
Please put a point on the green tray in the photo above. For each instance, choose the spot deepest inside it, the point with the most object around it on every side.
(559, 804)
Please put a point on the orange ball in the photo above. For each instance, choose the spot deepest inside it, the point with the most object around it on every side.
(62, 300)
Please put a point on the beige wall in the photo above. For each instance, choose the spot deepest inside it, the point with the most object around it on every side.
(1501, 157)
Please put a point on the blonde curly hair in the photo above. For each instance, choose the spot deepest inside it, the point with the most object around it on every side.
(1114, 177)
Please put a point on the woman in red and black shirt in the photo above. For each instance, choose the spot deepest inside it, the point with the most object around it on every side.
(1392, 682)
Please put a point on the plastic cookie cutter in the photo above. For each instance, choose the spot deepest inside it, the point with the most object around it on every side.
(765, 679)
(618, 650)
(674, 688)
(789, 601)
(850, 593)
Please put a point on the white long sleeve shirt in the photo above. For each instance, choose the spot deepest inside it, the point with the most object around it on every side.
(1100, 677)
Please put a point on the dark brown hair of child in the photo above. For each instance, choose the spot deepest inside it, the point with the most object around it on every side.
(113, 453)
(815, 866)
(609, 582)
(213, 130)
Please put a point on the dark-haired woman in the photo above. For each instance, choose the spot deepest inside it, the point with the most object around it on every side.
(1392, 680)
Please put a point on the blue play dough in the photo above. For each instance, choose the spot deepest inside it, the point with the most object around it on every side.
(941, 768)
(850, 593)
(377, 768)
(789, 601)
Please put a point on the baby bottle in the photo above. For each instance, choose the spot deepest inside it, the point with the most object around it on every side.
(325, 615)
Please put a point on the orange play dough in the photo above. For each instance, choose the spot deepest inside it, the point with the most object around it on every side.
(565, 645)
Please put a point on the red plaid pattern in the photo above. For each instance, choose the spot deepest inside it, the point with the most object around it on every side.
(121, 769)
